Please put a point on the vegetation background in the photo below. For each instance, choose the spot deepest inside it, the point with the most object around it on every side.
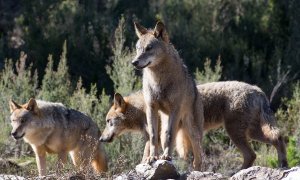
(79, 52)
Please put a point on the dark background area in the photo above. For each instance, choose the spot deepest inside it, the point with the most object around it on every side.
(258, 41)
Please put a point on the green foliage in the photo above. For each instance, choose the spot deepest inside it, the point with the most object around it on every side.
(293, 154)
(288, 115)
(89, 103)
(121, 71)
(292, 151)
(56, 86)
(209, 74)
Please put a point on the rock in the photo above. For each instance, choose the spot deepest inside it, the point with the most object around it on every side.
(204, 175)
(292, 174)
(160, 169)
(11, 177)
(265, 173)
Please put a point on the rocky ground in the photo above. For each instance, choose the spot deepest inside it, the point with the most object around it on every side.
(165, 170)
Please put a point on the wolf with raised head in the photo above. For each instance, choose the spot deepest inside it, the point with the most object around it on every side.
(169, 88)
(53, 128)
(241, 108)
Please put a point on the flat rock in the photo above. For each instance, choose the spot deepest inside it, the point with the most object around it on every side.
(160, 169)
(204, 175)
(11, 177)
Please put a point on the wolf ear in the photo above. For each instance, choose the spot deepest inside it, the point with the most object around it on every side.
(13, 106)
(31, 105)
(119, 101)
(160, 32)
(139, 29)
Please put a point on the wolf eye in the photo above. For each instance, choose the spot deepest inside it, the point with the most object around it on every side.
(23, 120)
(107, 120)
(148, 48)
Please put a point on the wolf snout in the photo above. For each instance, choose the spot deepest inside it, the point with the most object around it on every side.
(106, 138)
(16, 136)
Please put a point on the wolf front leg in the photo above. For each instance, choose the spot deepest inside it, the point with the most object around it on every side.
(152, 121)
(169, 132)
(40, 155)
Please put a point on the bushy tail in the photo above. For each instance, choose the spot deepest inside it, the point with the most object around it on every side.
(183, 144)
(267, 120)
(99, 162)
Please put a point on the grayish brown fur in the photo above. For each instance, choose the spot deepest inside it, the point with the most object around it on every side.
(53, 128)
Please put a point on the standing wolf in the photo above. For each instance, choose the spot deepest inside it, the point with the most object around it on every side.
(167, 87)
(53, 128)
(243, 109)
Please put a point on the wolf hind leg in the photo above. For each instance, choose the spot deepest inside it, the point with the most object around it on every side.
(237, 134)
(278, 143)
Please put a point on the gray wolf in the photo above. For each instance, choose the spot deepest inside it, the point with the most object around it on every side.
(242, 109)
(53, 128)
(167, 87)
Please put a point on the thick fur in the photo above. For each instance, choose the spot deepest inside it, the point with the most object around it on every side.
(167, 87)
(53, 128)
(243, 109)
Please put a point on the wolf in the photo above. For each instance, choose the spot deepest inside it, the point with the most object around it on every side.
(243, 110)
(169, 88)
(53, 128)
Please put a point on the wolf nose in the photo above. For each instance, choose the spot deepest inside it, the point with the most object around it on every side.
(14, 134)
(135, 62)
(101, 139)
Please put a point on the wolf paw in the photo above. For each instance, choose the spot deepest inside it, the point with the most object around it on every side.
(166, 157)
(151, 159)
(197, 166)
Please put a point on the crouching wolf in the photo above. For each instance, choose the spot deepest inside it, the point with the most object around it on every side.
(167, 87)
(243, 109)
(53, 128)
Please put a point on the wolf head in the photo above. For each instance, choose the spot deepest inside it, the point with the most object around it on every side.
(115, 120)
(151, 46)
(22, 117)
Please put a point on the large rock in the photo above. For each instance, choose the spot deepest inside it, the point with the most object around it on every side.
(160, 169)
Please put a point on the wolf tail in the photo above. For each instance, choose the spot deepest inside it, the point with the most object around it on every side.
(183, 144)
(99, 162)
(267, 120)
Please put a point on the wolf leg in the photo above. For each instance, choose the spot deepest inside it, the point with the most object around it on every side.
(61, 160)
(152, 121)
(40, 155)
(237, 134)
(169, 133)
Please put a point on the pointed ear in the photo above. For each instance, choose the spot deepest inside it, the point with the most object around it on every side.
(32, 106)
(160, 32)
(139, 29)
(13, 106)
(119, 101)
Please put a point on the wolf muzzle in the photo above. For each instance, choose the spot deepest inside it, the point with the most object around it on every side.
(136, 63)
